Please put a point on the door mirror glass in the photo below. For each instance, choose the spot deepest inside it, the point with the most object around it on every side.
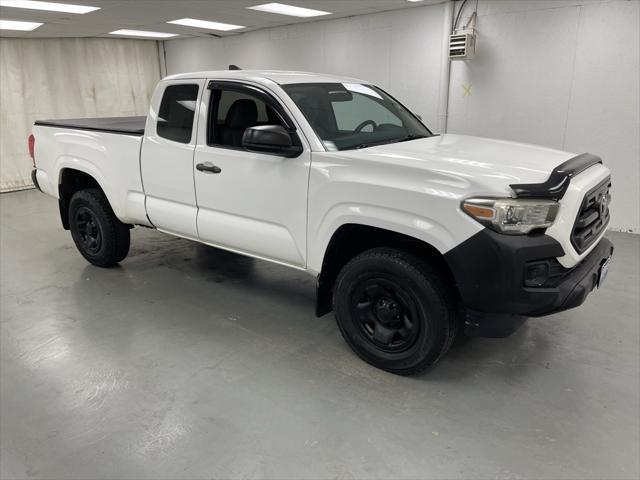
(272, 139)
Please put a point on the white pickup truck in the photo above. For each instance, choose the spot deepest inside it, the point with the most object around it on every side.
(412, 236)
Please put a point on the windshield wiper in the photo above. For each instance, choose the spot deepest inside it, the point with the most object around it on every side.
(410, 137)
(373, 144)
(392, 140)
(370, 144)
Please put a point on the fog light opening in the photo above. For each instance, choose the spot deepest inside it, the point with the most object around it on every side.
(536, 274)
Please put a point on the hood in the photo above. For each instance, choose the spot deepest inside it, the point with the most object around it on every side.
(490, 164)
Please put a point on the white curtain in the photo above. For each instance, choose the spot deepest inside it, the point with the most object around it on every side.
(67, 78)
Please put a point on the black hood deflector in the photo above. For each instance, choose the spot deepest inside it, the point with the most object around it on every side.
(558, 182)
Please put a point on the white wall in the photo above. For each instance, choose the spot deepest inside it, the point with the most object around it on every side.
(559, 73)
(398, 50)
(67, 78)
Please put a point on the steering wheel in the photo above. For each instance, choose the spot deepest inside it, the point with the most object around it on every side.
(364, 124)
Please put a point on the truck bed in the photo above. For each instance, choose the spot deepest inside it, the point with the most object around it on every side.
(118, 125)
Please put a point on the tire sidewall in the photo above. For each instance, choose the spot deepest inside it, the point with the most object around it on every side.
(86, 200)
(430, 306)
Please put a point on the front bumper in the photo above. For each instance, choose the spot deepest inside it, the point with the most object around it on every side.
(489, 269)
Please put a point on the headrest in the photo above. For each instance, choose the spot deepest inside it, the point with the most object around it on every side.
(242, 114)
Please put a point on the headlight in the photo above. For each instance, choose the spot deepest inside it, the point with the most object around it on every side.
(512, 216)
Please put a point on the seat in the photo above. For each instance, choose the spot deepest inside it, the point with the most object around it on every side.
(242, 114)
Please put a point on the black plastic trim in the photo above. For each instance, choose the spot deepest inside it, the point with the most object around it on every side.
(491, 325)
(258, 92)
(488, 269)
(556, 185)
(34, 178)
(602, 188)
(117, 125)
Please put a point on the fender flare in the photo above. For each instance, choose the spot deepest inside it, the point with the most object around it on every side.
(78, 165)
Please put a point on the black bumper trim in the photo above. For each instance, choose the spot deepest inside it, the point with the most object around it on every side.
(491, 325)
(583, 279)
(489, 272)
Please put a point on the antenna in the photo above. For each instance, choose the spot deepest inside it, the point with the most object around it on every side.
(234, 67)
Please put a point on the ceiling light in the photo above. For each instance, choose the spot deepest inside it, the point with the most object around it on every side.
(48, 6)
(282, 9)
(192, 22)
(16, 25)
(143, 33)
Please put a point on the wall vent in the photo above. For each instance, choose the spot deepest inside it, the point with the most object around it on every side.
(462, 46)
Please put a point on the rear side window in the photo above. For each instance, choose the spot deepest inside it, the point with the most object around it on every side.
(177, 109)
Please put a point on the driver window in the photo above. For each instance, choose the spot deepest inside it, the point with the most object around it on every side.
(351, 114)
(237, 111)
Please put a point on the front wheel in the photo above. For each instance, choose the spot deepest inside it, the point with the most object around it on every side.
(394, 310)
(98, 234)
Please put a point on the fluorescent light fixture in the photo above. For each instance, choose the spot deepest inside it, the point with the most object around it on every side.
(143, 33)
(193, 22)
(16, 25)
(48, 6)
(282, 9)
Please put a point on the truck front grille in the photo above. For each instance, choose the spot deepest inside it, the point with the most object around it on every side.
(593, 216)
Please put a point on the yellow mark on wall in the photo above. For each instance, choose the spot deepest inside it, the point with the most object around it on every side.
(466, 90)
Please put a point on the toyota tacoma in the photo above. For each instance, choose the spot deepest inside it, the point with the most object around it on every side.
(412, 236)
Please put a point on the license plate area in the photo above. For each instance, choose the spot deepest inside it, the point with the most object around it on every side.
(603, 271)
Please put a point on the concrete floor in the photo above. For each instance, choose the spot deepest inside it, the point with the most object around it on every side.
(189, 362)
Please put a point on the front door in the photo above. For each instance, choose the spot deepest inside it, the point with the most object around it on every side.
(254, 203)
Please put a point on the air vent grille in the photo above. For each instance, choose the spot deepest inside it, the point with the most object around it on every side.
(462, 46)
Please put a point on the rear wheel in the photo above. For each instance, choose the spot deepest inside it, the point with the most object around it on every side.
(98, 234)
(394, 310)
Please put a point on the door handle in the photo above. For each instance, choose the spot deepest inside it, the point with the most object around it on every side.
(208, 167)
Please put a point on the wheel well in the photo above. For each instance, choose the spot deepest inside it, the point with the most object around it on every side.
(72, 181)
(352, 239)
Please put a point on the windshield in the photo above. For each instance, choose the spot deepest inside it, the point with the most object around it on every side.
(353, 115)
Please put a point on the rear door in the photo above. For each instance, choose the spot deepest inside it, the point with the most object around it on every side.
(167, 158)
(254, 203)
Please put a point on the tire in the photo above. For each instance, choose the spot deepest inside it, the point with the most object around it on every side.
(385, 290)
(98, 234)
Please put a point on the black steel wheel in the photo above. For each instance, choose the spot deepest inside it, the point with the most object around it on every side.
(395, 310)
(89, 230)
(98, 234)
(386, 314)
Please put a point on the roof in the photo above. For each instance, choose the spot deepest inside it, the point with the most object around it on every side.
(281, 77)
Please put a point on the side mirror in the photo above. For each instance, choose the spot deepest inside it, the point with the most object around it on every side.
(271, 139)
